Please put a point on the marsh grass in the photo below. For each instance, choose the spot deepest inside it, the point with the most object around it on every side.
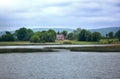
(109, 48)
(25, 50)
(98, 49)
(108, 41)
(75, 42)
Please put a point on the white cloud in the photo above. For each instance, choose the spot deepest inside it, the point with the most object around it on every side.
(60, 12)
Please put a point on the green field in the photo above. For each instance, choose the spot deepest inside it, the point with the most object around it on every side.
(109, 41)
(48, 43)
(76, 42)
(102, 41)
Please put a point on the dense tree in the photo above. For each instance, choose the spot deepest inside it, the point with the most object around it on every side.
(7, 32)
(23, 34)
(58, 32)
(117, 34)
(29, 34)
(51, 35)
(44, 36)
(84, 35)
(48, 36)
(35, 38)
(7, 37)
(70, 36)
(96, 36)
(52, 32)
(65, 33)
(110, 35)
(76, 33)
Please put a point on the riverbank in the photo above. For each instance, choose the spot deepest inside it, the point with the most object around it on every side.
(52, 48)
(114, 48)
(24, 50)
(97, 48)
(60, 42)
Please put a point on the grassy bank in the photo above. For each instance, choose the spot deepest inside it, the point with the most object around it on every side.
(109, 41)
(97, 49)
(75, 42)
(24, 50)
(58, 42)
(109, 48)
(24, 43)
(48, 43)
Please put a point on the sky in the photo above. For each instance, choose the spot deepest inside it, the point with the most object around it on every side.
(88, 14)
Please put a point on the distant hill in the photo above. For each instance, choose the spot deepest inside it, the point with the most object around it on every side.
(104, 31)
(56, 29)
(2, 32)
(43, 29)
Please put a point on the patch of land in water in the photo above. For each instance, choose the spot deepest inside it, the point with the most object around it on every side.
(92, 48)
(97, 49)
(24, 50)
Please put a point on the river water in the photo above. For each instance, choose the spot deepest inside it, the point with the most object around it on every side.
(60, 65)
(44, 46)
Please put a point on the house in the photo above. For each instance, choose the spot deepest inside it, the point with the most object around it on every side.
(60, 37)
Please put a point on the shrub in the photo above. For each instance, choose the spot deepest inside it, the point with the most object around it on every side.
(35, 39)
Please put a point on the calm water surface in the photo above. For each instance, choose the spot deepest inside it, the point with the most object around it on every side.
(43, 46)
(60, 65)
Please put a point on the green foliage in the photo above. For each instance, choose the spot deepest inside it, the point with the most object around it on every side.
(7, 32)
(110, 35)
(96, 36)
(106, 41)
(23, 34)
(48, 36)
(65, 33)
(52, 35)
(35, 39)
(7, 37)
(70, 36)
(58, 32)
(76, 33)
(84, 35)
(44, 36)
(29, 34)
(117, 34)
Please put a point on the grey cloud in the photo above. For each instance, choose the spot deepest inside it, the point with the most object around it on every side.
(72, 13)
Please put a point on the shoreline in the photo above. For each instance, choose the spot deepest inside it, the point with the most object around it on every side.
(94, 48)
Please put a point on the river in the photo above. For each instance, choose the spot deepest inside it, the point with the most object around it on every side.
(44, 46)
(60, 65)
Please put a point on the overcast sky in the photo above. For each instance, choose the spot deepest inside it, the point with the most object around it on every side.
(59, 13)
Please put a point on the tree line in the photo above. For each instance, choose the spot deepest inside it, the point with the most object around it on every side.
(24, 34)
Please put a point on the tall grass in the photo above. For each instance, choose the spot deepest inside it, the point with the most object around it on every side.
(23, 50)
(108, 41)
